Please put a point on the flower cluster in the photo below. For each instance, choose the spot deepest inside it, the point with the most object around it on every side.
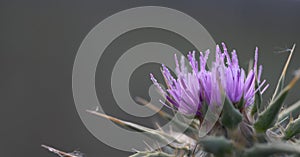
(190, 90)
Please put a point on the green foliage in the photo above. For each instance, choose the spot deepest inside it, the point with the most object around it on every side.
(231, 116)
(292, 129)
(292, 110)
(263, 150)
(219, 146)
(268, 118)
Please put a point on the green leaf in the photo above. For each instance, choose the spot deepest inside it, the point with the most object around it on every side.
(231, 117)
(219, 146)
(293, 110)
(268, 117)
(292, 129)
(263, 150)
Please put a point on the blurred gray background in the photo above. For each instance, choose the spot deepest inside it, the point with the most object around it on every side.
(39, 40)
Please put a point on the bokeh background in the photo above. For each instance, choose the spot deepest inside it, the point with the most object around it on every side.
(39, 40)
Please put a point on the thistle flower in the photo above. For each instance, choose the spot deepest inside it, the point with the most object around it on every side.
(189, 91)
(271, 130)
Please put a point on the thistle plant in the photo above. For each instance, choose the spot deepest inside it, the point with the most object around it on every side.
(245, 126)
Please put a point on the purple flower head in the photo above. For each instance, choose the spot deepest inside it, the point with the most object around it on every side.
(192, 89)
(239, 86)
(182, 92)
